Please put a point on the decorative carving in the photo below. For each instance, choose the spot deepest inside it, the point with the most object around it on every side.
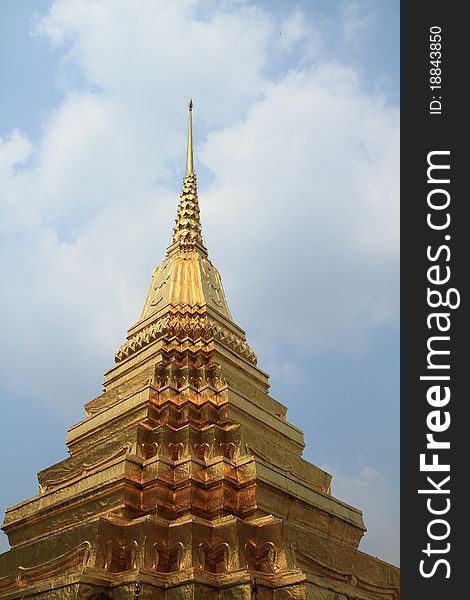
(119, 556)
(126, 449)
(186, 322)
(293, 556)
(261, 558)
(158, 292)
(108, 555)
(352, 580)
(71, 471)
(202, 451)
(180, 374)
(73, 560)
(214, 559)
(167, 559)
(187, 233)
(321, 569)
(290, 468)
(175, 450)
(149, 450)
(228, 449)
(214, 283)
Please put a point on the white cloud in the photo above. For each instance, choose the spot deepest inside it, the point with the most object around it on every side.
(151, 56)
(17, 202)
(296, 29)
(310, 203)
(372, 493)
(357, 17)
(15, 149)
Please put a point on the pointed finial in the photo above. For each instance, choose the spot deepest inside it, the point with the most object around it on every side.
(187, 234)
(189, 156)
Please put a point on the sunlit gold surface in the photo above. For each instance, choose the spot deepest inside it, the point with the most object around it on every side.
(185, 473)
(189, 153)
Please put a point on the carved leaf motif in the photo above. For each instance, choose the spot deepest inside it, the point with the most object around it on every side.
(202, 451)
(261, 558)
(149, 450)
(167, 559)
(120, 557)
(229, 449)
(175, 450)
(214, 559)
(158, 290)
(213, 282)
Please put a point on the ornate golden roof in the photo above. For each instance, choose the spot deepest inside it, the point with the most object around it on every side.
(185, 480)
(187, 234)
(187, 282)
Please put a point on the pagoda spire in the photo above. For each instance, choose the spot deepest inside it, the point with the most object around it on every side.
(189, 155)
(186, 277)
(187, 233)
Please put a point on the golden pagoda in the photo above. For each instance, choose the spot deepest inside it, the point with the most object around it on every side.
(185, 480)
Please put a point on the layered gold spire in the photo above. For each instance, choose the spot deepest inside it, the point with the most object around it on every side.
(186, 287)
(187, 233)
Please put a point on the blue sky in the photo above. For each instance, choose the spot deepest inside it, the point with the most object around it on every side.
(296, 143)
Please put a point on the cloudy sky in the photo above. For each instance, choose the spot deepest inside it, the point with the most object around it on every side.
(296, 148)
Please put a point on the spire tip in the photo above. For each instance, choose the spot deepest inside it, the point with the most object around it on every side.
(189, 155)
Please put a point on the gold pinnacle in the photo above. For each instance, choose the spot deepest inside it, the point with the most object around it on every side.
(189, 156)
(187, 234)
